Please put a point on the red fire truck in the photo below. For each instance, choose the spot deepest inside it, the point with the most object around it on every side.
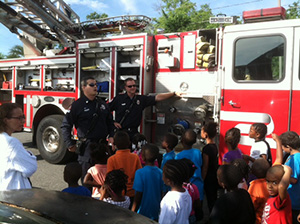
(235, 75)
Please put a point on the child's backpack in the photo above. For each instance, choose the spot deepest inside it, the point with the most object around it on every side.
(269, 154)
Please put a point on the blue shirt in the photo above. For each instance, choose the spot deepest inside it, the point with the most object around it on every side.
(293, 161)
(167, 156)
(148, 180)
(196, 157)
(80, 190)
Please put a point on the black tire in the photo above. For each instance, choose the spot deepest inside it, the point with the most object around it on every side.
(50, 140)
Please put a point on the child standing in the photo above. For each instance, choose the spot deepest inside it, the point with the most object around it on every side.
(176, 206)
(72, 174)
(290, 144)
(124, 159)
(260, 147)
(148, 184)
(96, 174)
(278, 207)
(258, 187)
(188, 139)
(235, 206)
(169, 143)
(210, 154)
(244, 169)
(232, 139)
(111, 191)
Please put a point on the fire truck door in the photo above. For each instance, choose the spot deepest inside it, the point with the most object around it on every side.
(256, 83)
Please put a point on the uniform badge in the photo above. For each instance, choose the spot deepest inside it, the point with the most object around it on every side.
(138, 102)
(102, 107)
(86, 109)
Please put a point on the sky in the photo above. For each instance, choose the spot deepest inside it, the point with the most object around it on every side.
(147, 8)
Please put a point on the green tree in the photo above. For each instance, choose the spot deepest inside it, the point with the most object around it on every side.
(293, 11)
(16, 52)
(95, 15)
(182, 15)
(2, 56)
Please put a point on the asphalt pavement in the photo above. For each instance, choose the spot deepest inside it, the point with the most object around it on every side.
(48, 176)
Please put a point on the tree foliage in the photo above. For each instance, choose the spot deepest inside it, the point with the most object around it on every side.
(182, 15)
(16, 52)
(95, 15)
(293, 11)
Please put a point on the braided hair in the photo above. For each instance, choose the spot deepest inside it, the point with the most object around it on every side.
(116, 180)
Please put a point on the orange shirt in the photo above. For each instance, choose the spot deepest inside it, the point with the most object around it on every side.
(129, 162)
(259, 195)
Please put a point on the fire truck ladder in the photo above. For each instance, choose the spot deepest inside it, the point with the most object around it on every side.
(44, 20)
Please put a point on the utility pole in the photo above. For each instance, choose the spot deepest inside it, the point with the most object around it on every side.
(279, 3)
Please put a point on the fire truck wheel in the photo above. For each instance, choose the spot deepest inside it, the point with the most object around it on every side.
(50, 141)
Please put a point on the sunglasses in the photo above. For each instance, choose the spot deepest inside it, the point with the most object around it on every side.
(131, 86)
(92, 84)
(21, 118)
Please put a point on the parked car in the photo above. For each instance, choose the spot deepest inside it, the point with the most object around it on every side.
(42, 206)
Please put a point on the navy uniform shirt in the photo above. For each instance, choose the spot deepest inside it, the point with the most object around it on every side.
(122, 102)
(81, 115)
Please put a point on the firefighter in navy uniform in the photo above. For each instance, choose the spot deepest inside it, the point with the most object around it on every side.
(129, 107)
(92, 119)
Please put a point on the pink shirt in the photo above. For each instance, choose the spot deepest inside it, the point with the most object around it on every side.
(98, 173)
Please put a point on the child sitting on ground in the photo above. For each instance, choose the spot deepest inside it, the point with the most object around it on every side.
(196, 214)
(72, 174)
(169, 143)
(111, 191)
(258, 187)
(232, 139)
(176, 206)
(235, 206)
(96, 174)
(148, 184)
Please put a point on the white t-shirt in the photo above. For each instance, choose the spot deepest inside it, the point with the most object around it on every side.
(16, 164)
(175, 207)
(258, 148)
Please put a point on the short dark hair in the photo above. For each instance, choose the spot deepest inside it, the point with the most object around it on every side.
(261, 129)
(189, 137)
(211, 129)
(99, 152)
(260, 167)
(122, 140)
(176, 171)
(243, 167)
(171, 139)
(232, 137)
(72, 172)
(150, 151)
(230, 176)
(84, 80)
(127, 80)
(116, 180)
(290, 138)
(276, 170)
(6, 110)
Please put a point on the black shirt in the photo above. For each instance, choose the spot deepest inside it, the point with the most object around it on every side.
(211, 150)
(122, 102)
(81, 115)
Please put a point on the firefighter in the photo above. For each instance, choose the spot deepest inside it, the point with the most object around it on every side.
(129, 107)
(92, 120)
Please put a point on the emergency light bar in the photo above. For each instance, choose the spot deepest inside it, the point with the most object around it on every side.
(261, 15)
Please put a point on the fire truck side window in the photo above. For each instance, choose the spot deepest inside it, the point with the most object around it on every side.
(259, 59)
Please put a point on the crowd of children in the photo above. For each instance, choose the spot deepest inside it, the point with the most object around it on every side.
(244, 189)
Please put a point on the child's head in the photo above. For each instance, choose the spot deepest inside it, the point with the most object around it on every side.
(170, 141)
(189, 138)
(258, 131)
(229, 176)
(150, 153)
(138, 141)
(122, 140)
(99, 152)
(290, 141)
(243, 167)
(72, 173)
(209, 130)
(273, 177)
(260, 167)
(190, 167)
(116, 180)
(175, 172)
(232, 138)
